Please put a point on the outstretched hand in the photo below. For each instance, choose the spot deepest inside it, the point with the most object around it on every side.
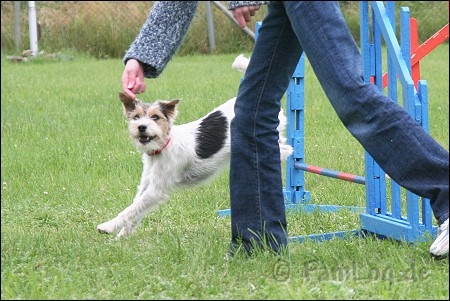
(133, 78)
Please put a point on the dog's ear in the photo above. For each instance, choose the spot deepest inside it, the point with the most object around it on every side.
(169, 107)
(129, 103)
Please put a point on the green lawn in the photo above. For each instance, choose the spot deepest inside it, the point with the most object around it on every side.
(68, 165)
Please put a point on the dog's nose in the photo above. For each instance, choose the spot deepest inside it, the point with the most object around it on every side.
(142, 128)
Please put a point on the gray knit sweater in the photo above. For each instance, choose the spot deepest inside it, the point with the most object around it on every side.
(163, 32)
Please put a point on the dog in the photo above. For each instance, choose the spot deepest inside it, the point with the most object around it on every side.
(176, 156)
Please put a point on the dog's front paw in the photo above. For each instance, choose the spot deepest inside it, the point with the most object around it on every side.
(107, 227)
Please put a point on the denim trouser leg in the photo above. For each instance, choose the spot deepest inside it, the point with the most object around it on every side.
(402, 148)
(257, 202)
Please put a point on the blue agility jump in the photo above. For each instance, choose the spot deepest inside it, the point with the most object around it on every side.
(391, 211)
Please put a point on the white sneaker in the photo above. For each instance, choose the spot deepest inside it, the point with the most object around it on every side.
(439, 248)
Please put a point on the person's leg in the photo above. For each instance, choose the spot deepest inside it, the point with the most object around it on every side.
(402, 148)
(257, 203)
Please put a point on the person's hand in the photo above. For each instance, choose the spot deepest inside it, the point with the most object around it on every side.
(244, 14)
(133, 78)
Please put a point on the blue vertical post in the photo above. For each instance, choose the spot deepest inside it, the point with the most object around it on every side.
(295, 192)
(406, 219)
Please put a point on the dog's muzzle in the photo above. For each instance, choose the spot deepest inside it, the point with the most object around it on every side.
(143, 138)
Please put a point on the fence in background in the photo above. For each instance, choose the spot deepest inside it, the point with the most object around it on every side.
(105, 29)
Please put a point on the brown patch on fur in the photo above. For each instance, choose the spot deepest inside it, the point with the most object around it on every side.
(128, 103)
(134, 107)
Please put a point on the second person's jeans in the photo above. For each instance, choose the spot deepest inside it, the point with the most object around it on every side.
(401, 147)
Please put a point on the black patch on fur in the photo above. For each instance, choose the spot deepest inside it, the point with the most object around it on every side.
(211, 135)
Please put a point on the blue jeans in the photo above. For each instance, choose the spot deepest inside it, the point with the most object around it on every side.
(402, 148)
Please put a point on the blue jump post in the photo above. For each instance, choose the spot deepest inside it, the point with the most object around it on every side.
(391, 211)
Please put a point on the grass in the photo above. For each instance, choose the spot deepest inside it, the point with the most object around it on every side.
(67, 165)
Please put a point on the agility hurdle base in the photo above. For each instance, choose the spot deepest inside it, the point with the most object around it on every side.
(391, 211)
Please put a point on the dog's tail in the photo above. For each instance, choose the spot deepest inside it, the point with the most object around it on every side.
(240, 63)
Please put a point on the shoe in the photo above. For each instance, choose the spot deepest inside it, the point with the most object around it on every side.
(439, 248)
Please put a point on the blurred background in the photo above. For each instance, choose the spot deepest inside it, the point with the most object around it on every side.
(105, 29)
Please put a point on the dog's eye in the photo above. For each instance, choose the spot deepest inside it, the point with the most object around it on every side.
(155, 117)
(136, 117)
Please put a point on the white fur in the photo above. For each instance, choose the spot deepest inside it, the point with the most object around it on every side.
(176, 167)
(240, 63)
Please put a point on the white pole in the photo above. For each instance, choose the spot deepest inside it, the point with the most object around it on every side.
(33, 28)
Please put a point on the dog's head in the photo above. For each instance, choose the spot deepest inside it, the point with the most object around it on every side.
(149, 124)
